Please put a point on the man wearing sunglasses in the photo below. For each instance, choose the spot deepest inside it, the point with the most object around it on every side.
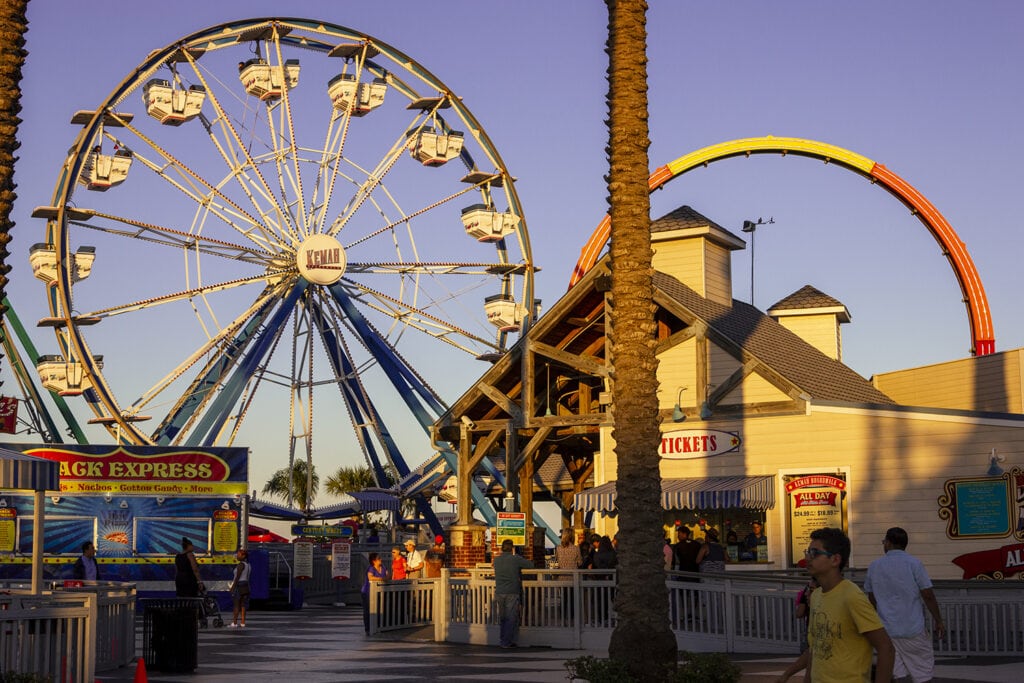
(899, 588)
(844, 628)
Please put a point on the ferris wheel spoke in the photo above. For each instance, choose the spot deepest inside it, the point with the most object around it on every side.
(334, 147)
(292, 146)
(157, 234)
(224, 341)
(429, 268)
(240, 162)
(416, 318)
(191, 177)
(182, 295)
(405, 219)
(208, 427)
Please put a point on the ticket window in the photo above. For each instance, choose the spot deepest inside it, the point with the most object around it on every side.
(743, 532)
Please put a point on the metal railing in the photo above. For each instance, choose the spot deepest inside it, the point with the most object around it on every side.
(49, 634)
(707, 612)
(51, 629)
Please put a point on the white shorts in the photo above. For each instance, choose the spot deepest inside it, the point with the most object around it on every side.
(914, 657)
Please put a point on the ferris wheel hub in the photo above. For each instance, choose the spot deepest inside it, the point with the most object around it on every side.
(321, 259)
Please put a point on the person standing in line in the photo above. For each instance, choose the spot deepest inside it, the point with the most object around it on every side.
(586, 552)
(508, 589)
(398, 565)
(899, 587)
(711, 556)
(375, 572)
(86, 568)
(686, 551)
(187, 581)
(844, 628)
(435, 559)
(669, 555)
(413, 560)
(239, 588)
(566, 554)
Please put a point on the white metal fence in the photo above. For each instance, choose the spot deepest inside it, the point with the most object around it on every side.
(708, 613)
(67, 633)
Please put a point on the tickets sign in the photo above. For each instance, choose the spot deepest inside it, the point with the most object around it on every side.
(688, 444)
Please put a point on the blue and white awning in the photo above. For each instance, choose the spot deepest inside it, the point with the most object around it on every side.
(26, 472)
(704, 493)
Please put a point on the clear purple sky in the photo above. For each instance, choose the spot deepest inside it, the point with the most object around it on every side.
(929, 88)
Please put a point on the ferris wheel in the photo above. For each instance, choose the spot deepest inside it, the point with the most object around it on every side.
(268, 226)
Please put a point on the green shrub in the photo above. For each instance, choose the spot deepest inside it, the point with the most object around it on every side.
(694, 667)
(598, 670)
(706, 667)
(24, 677)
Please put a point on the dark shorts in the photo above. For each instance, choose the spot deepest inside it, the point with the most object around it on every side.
(240, 594)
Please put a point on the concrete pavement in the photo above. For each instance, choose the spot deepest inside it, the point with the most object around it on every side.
(321, 644)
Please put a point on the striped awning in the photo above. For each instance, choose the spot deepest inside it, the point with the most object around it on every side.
(26, 472)
(704, 493)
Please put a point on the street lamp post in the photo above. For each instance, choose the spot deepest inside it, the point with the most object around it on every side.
(751, 227)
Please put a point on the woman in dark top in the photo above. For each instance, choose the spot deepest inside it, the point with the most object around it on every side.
(605, 557)
(711, 557)
(187, 583)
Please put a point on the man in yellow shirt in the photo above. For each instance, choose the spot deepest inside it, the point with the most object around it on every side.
(844, 628)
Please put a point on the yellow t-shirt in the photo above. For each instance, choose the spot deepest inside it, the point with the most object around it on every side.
(839, 651)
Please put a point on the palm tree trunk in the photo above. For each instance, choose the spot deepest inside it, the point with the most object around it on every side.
(642, 639)
(13, 26)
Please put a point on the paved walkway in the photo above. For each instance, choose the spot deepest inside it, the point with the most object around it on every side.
(327, 645)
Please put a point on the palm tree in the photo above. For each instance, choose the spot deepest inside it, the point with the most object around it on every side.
(297, 485)
(642, 640)
(348, 479)
(13, 26)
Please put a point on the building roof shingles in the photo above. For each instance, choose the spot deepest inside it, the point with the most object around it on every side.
(816, 374)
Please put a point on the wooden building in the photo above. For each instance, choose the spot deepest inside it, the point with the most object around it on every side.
(761, 423)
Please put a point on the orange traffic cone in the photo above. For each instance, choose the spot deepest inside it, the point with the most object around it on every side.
(140, 672)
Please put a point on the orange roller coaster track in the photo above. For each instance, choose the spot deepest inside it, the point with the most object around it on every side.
(980, 317)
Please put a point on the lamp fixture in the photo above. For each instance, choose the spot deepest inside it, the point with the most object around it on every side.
(160, 500)
(108, 496)
(55, 499)
(677, 412)
(705, 407)
(994, 470)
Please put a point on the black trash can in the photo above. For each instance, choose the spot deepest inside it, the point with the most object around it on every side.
(170, 633)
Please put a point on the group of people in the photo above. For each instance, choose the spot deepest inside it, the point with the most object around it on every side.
(413, 564)
(690, 555)
(845, 624)
(189, 584)
(593, 552)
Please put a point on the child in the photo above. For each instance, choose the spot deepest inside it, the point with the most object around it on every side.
(240, 590)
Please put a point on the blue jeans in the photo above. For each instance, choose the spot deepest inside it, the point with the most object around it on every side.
(508, 615)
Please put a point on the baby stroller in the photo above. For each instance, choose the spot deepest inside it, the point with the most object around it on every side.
(209, 610)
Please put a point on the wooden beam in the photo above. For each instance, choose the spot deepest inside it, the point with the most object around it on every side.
(675, 339)
(589, 366)
(501, 400)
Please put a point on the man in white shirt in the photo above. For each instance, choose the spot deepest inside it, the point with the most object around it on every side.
(899, 587)
(413, 560)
